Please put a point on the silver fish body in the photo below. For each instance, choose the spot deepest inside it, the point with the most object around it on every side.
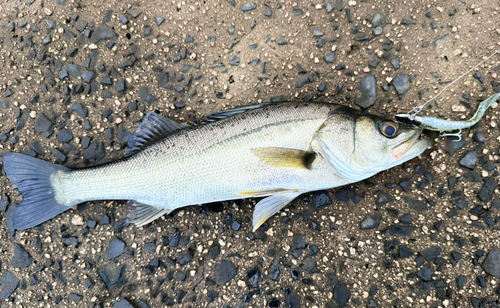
(277, 150)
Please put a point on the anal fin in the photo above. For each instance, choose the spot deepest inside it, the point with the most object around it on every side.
(269, 206)
(285, 158)
(142, 214)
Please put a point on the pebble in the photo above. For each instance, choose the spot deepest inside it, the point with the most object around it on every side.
(401, 83)
(102, 33)
(330, 58)
(281, 41)
(95, 152)
(430, 253)
(253, 277)
(452, 145)
(159, 20)
(469, 160)
(378, 30)
(341, 294)
(395, 62)
(224, 272)
(415, 204)
(491, 264)
(115, 248)
(112, 276)
(425, 273)
(376, 19)
(248, 6)
(320, 199)
(21, 258)
(123, 304)
(486, 192)
(329, 7)
(9, 284)
(318, 33)
(43, 126)
(371, 222)
(274, 269)
(368, 92)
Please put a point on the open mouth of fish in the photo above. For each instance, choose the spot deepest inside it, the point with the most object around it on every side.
(413, 146)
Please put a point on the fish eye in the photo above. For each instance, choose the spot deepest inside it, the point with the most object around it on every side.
(388, 129)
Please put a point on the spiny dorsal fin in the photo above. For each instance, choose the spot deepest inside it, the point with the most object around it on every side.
(142, 214)
(285, 158)
(232, 112)
(152, 128)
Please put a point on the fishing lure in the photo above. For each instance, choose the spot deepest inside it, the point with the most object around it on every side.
(442, 126)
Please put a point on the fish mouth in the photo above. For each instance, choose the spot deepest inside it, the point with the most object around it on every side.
(411, 147)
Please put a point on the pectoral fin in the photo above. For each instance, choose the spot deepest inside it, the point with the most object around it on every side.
(142, 214)
(271, 205)
(285, 158)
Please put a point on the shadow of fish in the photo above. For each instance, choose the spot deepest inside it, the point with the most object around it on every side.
(277, 151)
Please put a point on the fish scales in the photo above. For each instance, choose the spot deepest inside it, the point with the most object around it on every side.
(173, 164)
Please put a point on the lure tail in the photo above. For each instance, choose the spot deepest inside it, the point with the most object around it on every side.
(32, 177)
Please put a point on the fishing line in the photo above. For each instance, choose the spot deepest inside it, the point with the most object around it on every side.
(418, 109)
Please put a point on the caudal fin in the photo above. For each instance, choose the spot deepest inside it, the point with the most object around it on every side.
(31, 176)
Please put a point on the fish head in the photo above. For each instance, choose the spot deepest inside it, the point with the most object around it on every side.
(382, 143)
(358, 144)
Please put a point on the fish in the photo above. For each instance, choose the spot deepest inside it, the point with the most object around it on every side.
(274, 151)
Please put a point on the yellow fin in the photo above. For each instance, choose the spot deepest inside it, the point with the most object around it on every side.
(263, 193)
(285, 158)
(269, 206)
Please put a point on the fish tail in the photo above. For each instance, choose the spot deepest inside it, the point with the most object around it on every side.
(32, 177)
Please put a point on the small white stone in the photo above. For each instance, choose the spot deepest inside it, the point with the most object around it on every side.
(77, 220)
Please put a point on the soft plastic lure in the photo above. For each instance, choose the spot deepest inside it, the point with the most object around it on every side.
(440, 125)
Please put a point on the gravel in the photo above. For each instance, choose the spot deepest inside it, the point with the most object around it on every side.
(224, 272)
(21, 258)
(9, 284)
(368, 92)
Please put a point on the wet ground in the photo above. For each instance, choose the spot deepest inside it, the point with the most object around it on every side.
(77, 76)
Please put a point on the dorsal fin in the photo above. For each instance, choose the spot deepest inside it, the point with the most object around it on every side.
(232, 112)
(152, 128)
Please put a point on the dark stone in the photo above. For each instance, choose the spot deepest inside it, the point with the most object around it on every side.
(102, 33)
(425, 273)
(401, 83)
(64, 135)
(383, 198)
(452, 145)
(274, 269)
(320, 198)
(248, 6)
(310, 265)
(22, 258)
(159, 20)
(486, 192)
(430, 253)
(9, 284)
(184, 258)
(461, 281)
(404, 252)
(298, 242)
(415, 204)
(371, 222)
(95, 152)
(395, 62)
(224, 272)
(112, 277)
(281, 41)
(123, 304)
(491, 264)
(59, 155)
(469, 160)
(75, 297)
(115, 248)
(368, 92)
(43, 126)
(330, 58)
(402, 230)
(253, 277)
(341, 294)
